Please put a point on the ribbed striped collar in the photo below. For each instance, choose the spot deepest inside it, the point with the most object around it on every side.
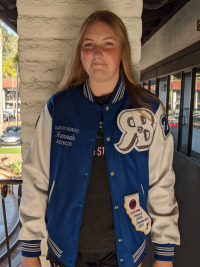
(117, 95)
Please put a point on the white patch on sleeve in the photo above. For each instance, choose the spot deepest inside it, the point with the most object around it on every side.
(140, 219)
(137, 127)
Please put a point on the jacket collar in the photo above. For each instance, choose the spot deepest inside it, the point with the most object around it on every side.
(117, 94)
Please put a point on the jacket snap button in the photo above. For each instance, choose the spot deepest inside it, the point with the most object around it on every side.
(112, 173)
(116, 207)
(108, 139)
(107, 108)
(85, 173)
(121, 260)
(119, 240)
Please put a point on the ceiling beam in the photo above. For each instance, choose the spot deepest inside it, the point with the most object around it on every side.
(12, 25)
(149, 15)
(150, 24)
(177, 5)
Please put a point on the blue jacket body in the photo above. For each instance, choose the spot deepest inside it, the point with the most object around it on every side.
(73, 118)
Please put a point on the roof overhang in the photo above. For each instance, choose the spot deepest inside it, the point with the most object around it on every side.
(8, 13)
(155, 14)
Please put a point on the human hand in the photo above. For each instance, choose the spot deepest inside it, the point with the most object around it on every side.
(31, 262)
(162, 264)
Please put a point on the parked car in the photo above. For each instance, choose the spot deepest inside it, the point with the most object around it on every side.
(11, 136)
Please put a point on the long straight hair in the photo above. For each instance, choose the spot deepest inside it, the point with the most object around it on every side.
(75, 74)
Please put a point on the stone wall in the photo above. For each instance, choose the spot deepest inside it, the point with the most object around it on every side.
(179, 32)
(47, 30)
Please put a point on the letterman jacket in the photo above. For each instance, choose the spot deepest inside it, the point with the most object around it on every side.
(139, 153)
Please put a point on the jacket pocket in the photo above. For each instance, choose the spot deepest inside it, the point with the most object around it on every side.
(142, 190)
(50, 193)
(145, 200)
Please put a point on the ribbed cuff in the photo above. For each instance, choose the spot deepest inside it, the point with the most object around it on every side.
(164, 252)
(31, 248)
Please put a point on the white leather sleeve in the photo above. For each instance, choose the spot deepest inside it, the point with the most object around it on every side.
(35, 174)
(162, 205)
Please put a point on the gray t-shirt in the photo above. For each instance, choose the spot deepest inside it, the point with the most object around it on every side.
(97, 228)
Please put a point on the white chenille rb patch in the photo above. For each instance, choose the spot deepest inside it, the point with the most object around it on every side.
(137, 127)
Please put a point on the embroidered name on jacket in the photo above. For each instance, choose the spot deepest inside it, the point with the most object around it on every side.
(137, 127)
(65, 135)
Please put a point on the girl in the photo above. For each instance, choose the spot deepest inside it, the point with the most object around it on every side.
(98, 175)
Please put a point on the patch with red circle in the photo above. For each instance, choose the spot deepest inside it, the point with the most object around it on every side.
(132, 204)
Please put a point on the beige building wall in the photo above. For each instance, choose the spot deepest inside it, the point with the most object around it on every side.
(179, 32)
(47, 31)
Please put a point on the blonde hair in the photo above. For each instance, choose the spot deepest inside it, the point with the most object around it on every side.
(75, 74)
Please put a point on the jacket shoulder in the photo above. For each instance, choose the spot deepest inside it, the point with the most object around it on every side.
(61, 97)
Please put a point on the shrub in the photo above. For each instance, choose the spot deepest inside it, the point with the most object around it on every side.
(16, 166)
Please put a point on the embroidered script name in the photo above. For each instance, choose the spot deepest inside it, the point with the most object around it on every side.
(65, 135)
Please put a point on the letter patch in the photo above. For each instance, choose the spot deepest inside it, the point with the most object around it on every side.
(165, 126)
(140, 219)
(137, 127)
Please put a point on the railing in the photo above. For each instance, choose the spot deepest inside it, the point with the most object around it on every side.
(5, 185)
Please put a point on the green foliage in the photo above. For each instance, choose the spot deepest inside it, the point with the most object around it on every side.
(16, 166)
(10, 44)
(10, 150)
(8, 69)
(9, 53)
(16, 59)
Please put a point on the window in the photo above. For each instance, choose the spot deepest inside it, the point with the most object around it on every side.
(153, 86)
(180, 95)
(163, 90)
(195, 150)
(145, 85)
(185, 112)
(174, 105)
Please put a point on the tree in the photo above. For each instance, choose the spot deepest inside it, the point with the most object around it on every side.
(8, 69)
(10, 48)
(16, 59)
